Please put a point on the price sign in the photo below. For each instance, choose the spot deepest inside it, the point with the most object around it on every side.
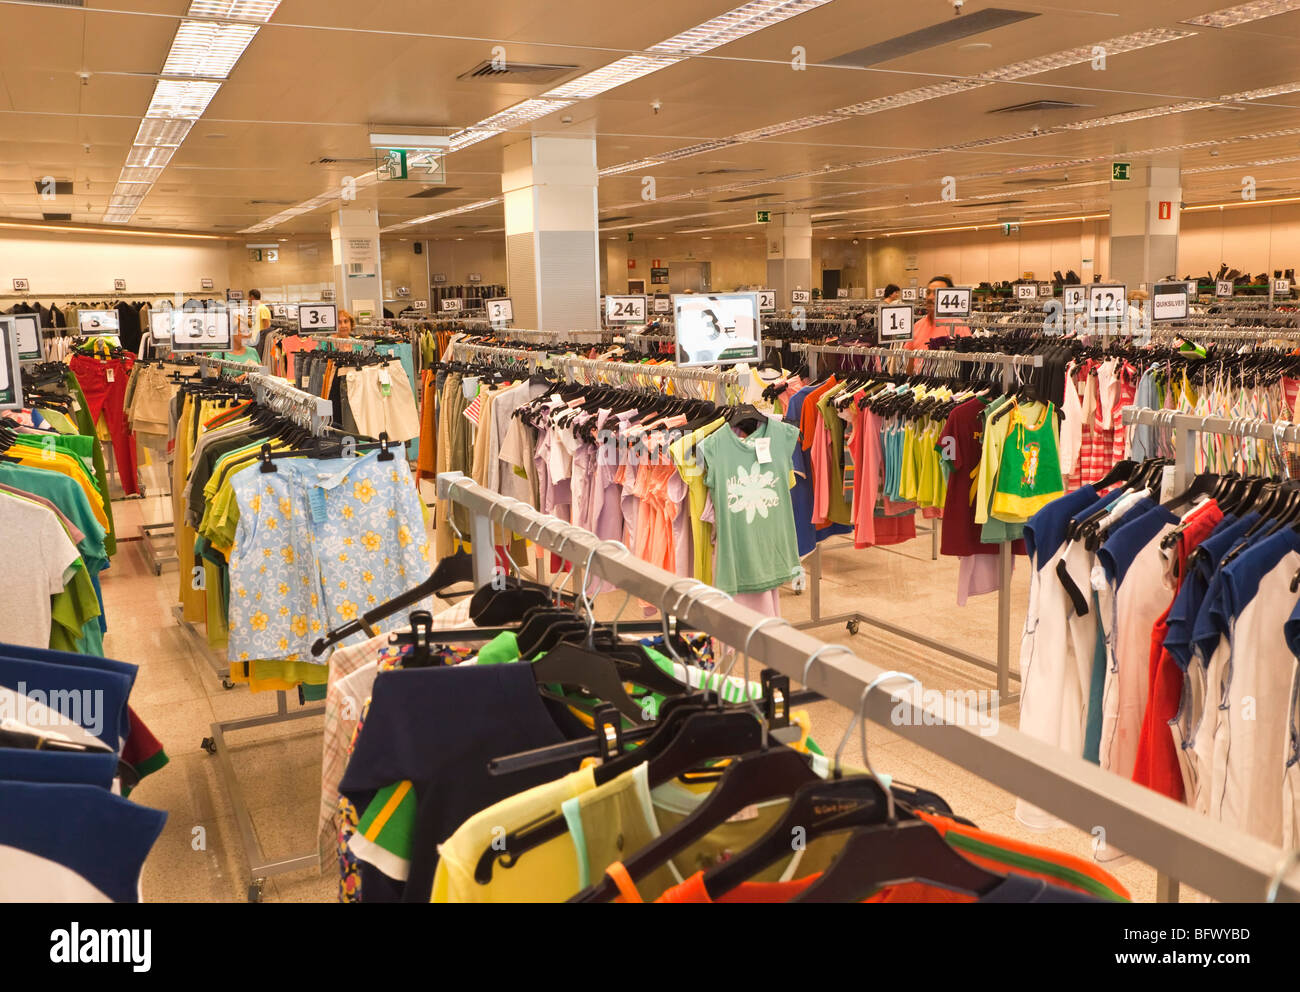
(663, 303)
(327, 294)
(475, 277)
(97, 321)
(766, 300)
(279, 310)
(952, 303)
(119, 285)
(842, 294)
(201, 330)
(1026, 291)
(207, 284)
(21, 286)
(922, 292)
(419, 304)
(162, 325)
(501, 310)
(880, 292)
(625, 309)
(1074, 299)
(11, 390)
(1169, 301)
(403, 292)
(234, 295)
(318, 317)
(440, 277)
(1106, 302)
(1223, 288)
(1281, 287)
(29, 337)
(1192, 288)
(799, 297)
(451, 304)
(908, 294)
(895, 323)
(1044, 290)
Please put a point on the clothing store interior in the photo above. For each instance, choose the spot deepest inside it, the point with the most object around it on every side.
(878, 427)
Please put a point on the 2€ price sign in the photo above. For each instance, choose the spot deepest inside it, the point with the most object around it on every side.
(766, 300)
(501, 310)
(451, 304)
(317, 317)
(952, 303)
(625, 309)
(895, 323)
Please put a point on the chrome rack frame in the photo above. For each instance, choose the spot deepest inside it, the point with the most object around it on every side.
(1190, 424)
(1178, 842)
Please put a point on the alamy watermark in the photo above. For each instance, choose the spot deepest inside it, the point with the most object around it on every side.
(54, 708)
(918, 706)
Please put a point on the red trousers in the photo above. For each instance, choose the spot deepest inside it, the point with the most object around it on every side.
(104, 383)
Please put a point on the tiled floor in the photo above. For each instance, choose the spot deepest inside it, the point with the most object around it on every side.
(200, 856)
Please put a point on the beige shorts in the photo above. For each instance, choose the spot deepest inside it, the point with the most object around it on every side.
(376, 410)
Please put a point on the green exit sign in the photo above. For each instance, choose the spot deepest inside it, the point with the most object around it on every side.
(764, 216)
(1121, 172)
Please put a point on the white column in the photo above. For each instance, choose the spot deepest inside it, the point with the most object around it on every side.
(1144, 219)
(357, 273)
(552, 250)
(789, 255)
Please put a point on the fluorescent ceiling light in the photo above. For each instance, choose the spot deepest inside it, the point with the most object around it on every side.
(140, 174)
(145, 157)
(208, 48)
(1140, 115)
(186, 99)
(235, 10)
(479, 205)
(1243, 13)
(409, 141)
(1260, 94)
(160, 133)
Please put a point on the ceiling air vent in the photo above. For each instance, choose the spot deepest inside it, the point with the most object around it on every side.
(57, 216)
(953, 29)
(986, 203)
(751, 196)
(1040, 181)
(61, 188)
(610, 220)
(432, 191)
(524, 72)
(1021, 108)
(829, 220)
(727, 172)
(271, 203)
(62, 3)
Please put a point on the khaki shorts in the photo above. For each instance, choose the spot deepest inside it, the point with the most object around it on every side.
(374, 411)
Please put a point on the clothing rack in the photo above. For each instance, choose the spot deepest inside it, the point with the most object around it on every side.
(1181, 844)
(462, 349)
(981, 357)
(1190, 424)
(368, 344)
(315, 414)
(718, 377)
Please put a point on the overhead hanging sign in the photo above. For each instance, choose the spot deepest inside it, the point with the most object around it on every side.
(1223, 288)
(1169, 301)
(766, 300)
(625, 309)
(896, 323)
(763, 216)
(318, 317)
(1107, 302)
(952, 302)
(391, 164)
(501, 310)
(29, 337)
(11, 393)
(1121, 172)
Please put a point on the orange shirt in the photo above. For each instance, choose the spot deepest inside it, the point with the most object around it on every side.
(926, 328)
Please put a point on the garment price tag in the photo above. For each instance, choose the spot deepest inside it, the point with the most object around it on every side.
(748, 813)
(385, 383)
(110, 375)
(763, 449)
(1167, 491)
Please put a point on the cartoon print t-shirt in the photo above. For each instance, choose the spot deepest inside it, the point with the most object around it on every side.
(749, 480)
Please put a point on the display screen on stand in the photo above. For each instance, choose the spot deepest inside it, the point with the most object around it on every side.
(719, 329)
(11, 393)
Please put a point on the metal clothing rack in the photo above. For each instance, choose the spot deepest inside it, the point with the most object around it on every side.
(315, 414)
(1179, 843)
(367, 344)
(597, 366)
(1190, 424)
(1001, 665)
(463, 349)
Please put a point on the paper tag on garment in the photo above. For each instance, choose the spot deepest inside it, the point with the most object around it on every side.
(385, 389)
(556, 398)
(1167, 484)
(469, 387)
(578, 402)
(384, 378)
(763, 448)
(748, 813)
(109, 374)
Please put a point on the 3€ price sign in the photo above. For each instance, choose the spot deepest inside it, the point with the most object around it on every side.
(501, 310)
(625, 309)
(317, 317)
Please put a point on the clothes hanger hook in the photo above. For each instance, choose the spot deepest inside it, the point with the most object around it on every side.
(451, 519)
(692, 595)
(664, 612)
(745, 651)
(1275, 886)
(807, 667)
(586, 576)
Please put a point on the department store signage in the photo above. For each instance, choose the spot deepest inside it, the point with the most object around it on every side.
(419, 304)
(1193, 289)
(766, 300)
(162, 325)
(21, 286)
(11, 397)
(318, 317)
(1044, 290)
(119, 285)
(625, 309)
(659, 275)
(1026, 291)
(234, 295)
(29, 337)
(207, 284)
(952, 302)
(451, 304)
(841, 294)
(717, 329)
(1074, 299)
(501, 310)
(1169, 301)
(1106, 302)
(908, 293)
(880, 292)
(440, 277)
(201, 330)
(1121, 172)
(1281, 287)
(1223, 288)
(799, 297)
(896, 323)
(97, 321)
(475, 277)
(663, 303)
(327, 294)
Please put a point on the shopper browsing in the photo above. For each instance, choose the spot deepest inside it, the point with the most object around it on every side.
(927, 327)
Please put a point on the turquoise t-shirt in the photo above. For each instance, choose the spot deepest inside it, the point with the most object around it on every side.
(248, 356)
(749, 481)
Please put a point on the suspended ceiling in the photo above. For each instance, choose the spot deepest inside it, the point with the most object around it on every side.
(293, 119)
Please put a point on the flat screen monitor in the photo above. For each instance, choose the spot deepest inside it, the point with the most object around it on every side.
(717, 328)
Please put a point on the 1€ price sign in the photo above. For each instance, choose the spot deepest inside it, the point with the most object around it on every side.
(895, 323)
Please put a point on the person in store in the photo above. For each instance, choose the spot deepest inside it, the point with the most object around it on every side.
(347, 324)
(927, 327)
(892, 294)
(240, 350)
(257, 321)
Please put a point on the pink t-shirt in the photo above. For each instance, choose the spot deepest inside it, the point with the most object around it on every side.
(292, 345)
(925, 329)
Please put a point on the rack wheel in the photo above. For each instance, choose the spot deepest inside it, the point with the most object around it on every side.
(227, 684)
(255, 889)
(209, 744)
(852, 626)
